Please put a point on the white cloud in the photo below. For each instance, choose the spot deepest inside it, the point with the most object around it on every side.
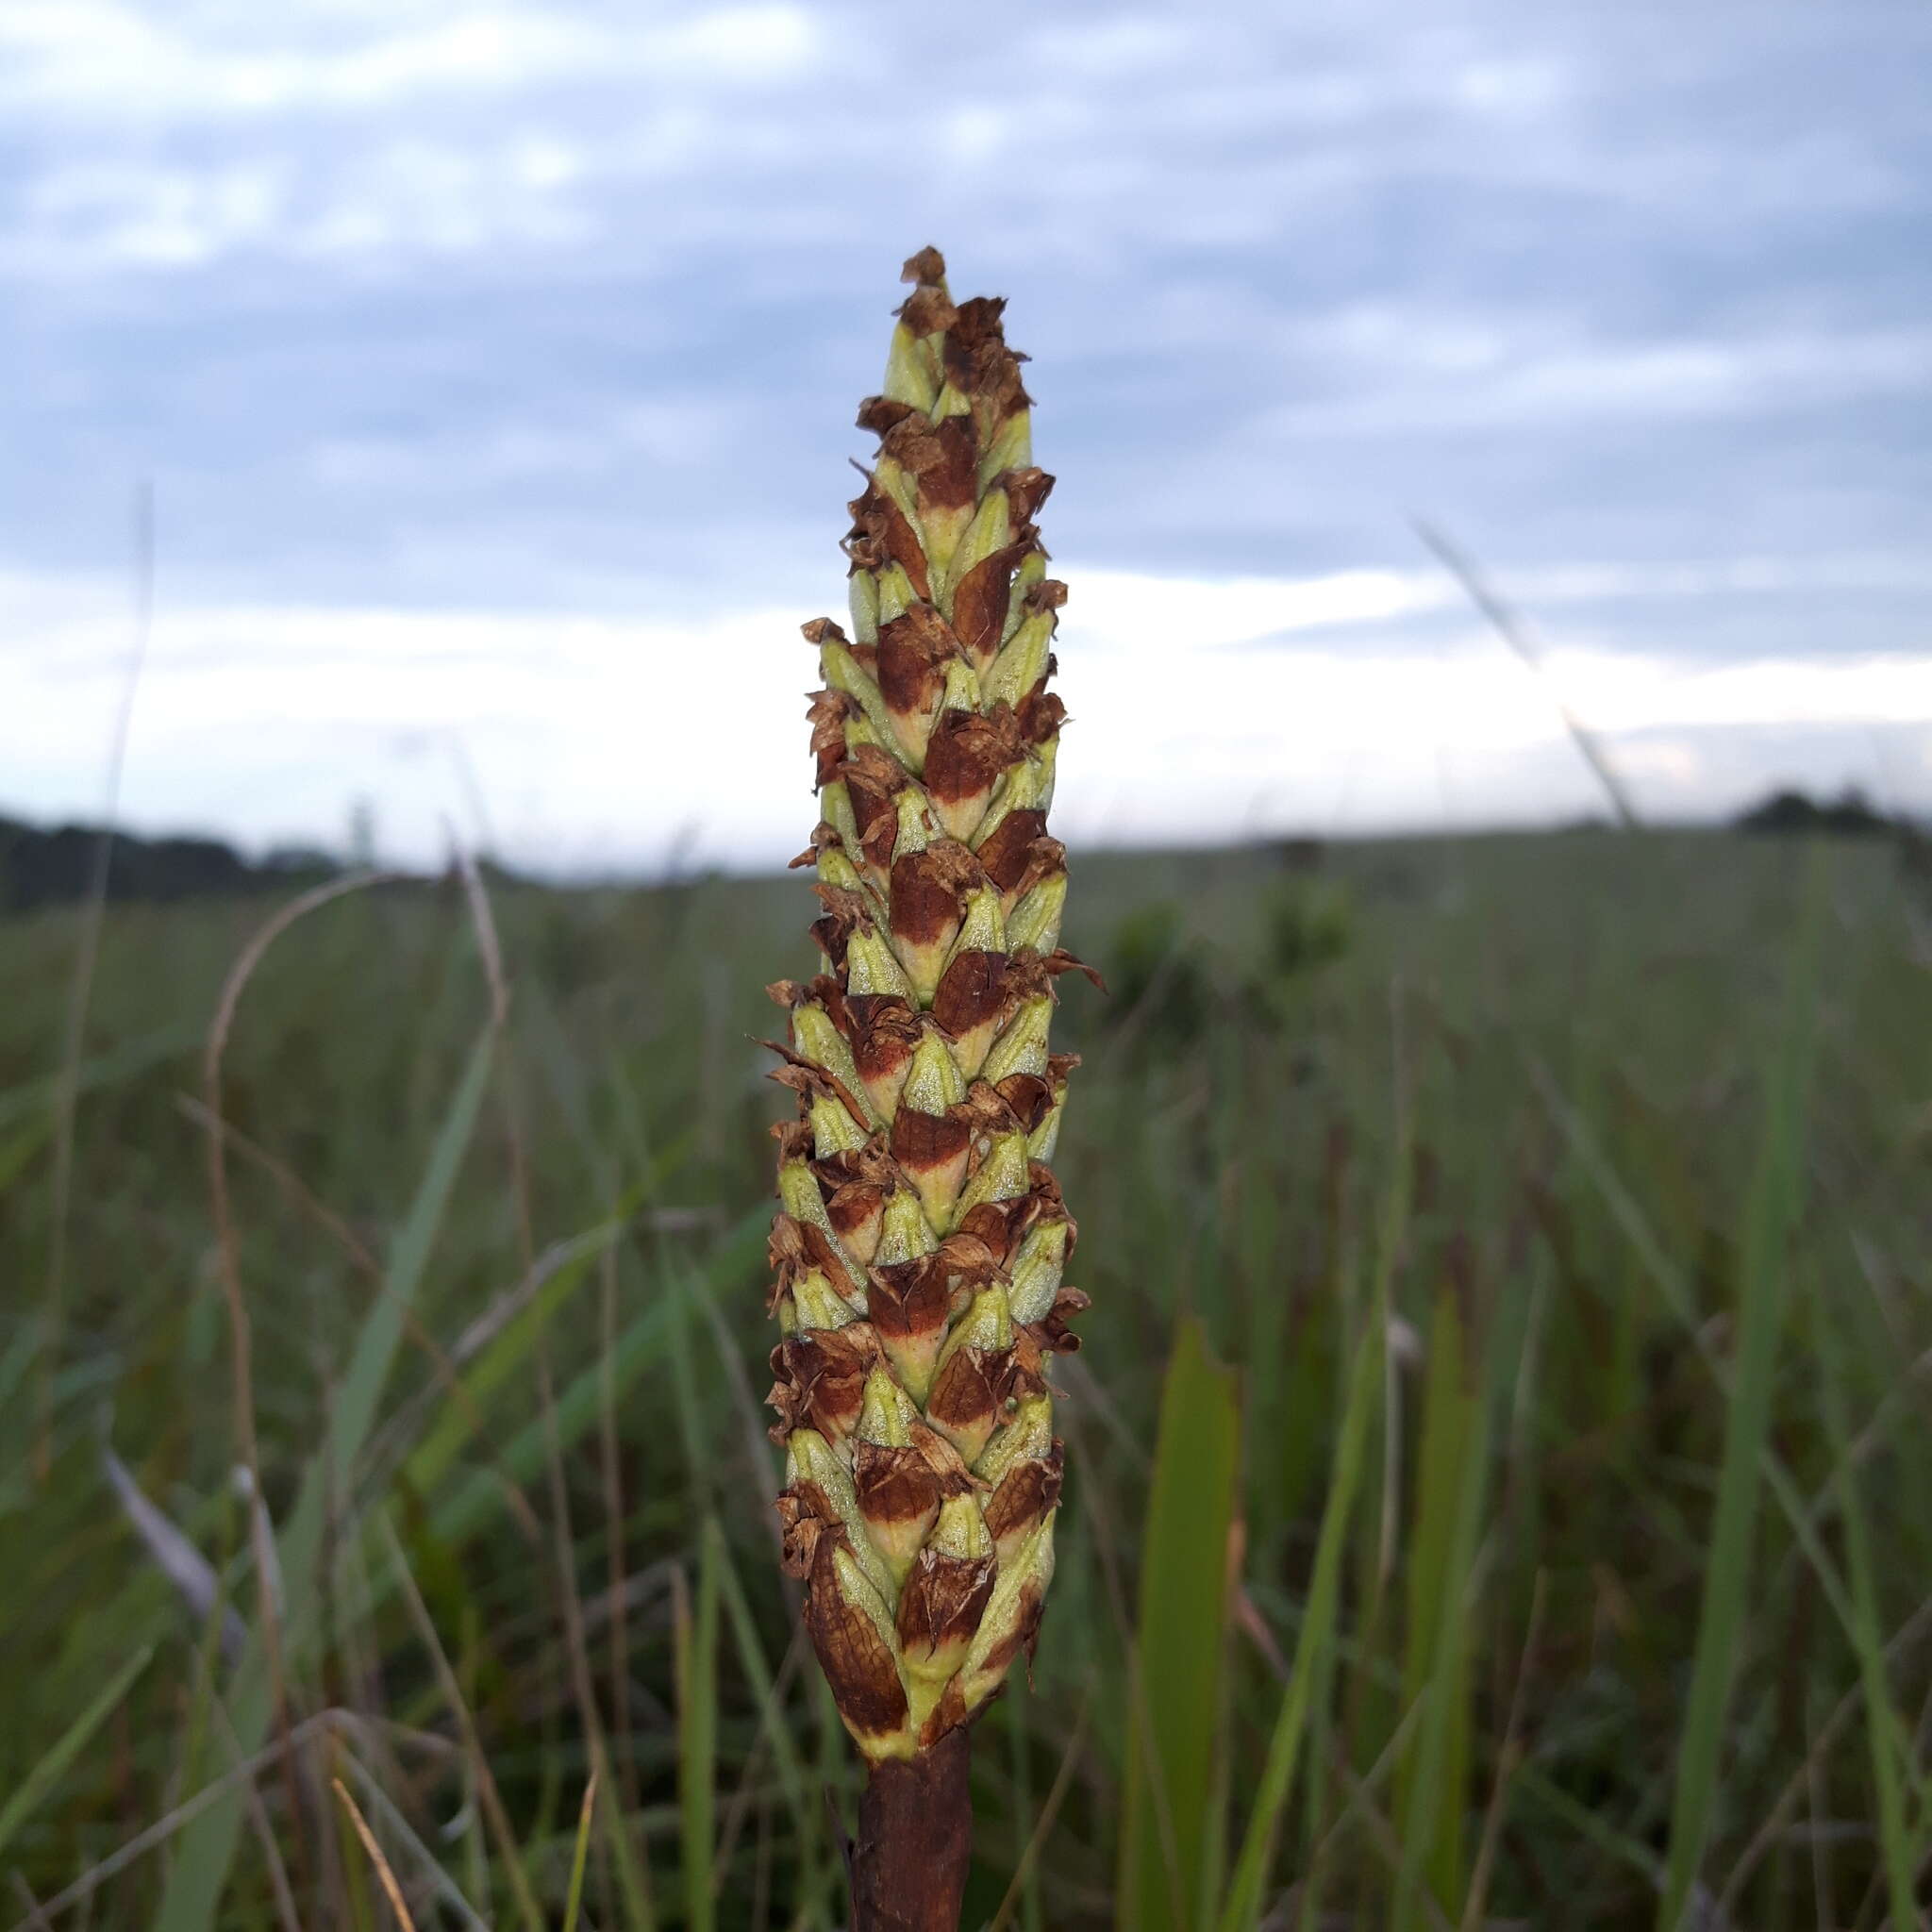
(1212, 614)
(464, 458)
(103, 57)
(439, 298)
(1496, 377)
(1124, 45)
(147, 216)
(100, 55)
(595, 739)
(763, 41)
(1201, 614)
(411, 198)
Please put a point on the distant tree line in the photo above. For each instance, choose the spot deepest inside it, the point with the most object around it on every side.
(51, 867)
(1791, 810)
(39, 867)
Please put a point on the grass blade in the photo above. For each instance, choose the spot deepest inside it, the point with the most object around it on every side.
(776, 1724)
(375, 1346)
(1432, 1778)
(697, 1735)
(53, 1765)
(1242, 1911)
(573, 1904)
(382, 1807)
(31, 1101)
(508, 1352)
(208, 1847)
(1168, 1803)
(1882, 1729)
(1771, 1216)
(643, 1343)
(391, 1889)
(1019, 1885)
(487, 1794)
(1674, 1283)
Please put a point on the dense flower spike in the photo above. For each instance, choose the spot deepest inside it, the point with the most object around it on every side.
(918, 1253)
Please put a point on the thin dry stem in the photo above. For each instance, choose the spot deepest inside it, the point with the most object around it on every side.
(241, 1347)
(386, 1878)
(67, 1091)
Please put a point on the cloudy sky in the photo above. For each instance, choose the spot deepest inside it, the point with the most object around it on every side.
(493, 368)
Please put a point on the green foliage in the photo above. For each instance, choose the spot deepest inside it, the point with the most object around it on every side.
(44, 1775)
(1432, 1777)
(695, 1631)
(1555, 1249)
(1314, 1654)
(1162, 998)
(1172, 1818)
(1776, 1194)
(1173, 984)
(1307, 927)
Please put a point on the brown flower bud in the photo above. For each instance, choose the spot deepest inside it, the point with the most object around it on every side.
(928, 898)
(1006, 851)
(967, 1396)
(799, 1246)
(874, 779)
(1022, 1499)
(1029, 1095)
(1027, 489)
(820, 1379)
(964, 758)
(943, 465)
(898, 1496)
(880, 533)
(1041, 714)
(980, 601)
(940, 1610)
(830, 711)
(851, 1631)
(932, 1150)
(914, 650)
(802, 1521)
(969, 1002)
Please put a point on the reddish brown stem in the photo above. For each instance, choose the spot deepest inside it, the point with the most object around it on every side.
(915, 1840)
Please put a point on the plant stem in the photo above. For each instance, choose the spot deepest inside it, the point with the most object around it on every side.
(915, 1840)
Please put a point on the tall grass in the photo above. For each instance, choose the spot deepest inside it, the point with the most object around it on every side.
(1573, 1281)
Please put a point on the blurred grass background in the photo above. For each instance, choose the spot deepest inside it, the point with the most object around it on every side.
(1535, 1527)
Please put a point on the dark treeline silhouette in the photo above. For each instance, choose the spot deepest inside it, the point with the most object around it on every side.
(1793, 810)
(50, 867)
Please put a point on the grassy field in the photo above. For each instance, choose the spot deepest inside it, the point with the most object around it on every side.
(1534, 1527)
